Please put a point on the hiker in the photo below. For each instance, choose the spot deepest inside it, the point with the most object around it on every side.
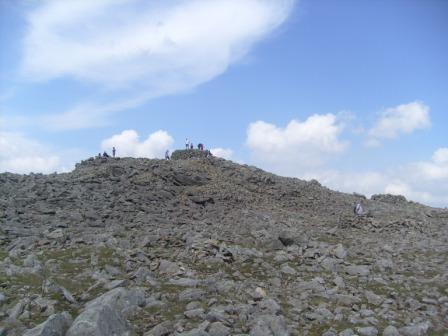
(167, 155)
(113, 151)
(105, 154)
(187, 143)
(200, 146)
(191, 146)
(358, 210)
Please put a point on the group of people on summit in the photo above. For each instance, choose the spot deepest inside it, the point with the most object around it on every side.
(188, 145)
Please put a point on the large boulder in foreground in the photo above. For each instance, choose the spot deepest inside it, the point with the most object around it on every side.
(55, 325)
(106, 315)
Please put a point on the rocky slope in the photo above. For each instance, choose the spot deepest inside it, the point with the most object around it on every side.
(204, 246)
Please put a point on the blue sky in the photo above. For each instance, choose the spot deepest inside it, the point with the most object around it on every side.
(352, 93)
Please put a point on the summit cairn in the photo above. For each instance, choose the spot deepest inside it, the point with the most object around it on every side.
(185, 154)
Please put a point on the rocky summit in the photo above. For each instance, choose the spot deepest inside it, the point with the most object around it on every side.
(198, 245)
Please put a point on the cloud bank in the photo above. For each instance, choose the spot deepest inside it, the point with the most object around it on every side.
(142, 49)
(128, 144)
(19, 154)
(225, 153)
(424, 181)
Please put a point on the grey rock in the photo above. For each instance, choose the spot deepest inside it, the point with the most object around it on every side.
(106, 314)
(287, 238)
(67, 295)
(142, 274)
(330, 333)
(269, 306)
(218, 329)
(269, 325)
(195, 313)
(55, 234)
(193, 305)
(18, 309)
(55, 325)
(185, 282)
(99, 321)
(115, 284)
(329, 264)
(367, 331)
(391, 331)
(384, 265)
(360, 270)
(168, 267)
(195, 332)
(347, 332)
(31, 261)
(339, 281)
(286, 269)
(163, 329)
(419, 329)
(3, 298)
(340, 252)
(192, 294)
(373, 298)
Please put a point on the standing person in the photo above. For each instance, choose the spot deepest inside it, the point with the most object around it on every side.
(167, 155)
(187, 143)
(359, 211)
(113, 151)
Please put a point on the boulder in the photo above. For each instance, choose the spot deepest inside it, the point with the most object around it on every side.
(106, 314)
(55, 325)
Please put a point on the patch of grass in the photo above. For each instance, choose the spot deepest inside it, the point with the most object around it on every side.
(318, 330)
(3, 254)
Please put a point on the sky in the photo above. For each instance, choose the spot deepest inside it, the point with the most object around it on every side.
(353, 93)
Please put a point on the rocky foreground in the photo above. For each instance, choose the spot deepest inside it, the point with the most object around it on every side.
(204, 246)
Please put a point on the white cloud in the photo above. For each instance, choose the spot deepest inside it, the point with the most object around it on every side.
(441, 156)
(19, 154)
(299, 144)
(128, 144)
(142, 49)
(402, 119)
(224, 153)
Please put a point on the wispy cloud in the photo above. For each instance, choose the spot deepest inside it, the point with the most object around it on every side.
(143, 48)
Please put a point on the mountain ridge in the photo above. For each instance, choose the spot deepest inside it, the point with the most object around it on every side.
(198, 235)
